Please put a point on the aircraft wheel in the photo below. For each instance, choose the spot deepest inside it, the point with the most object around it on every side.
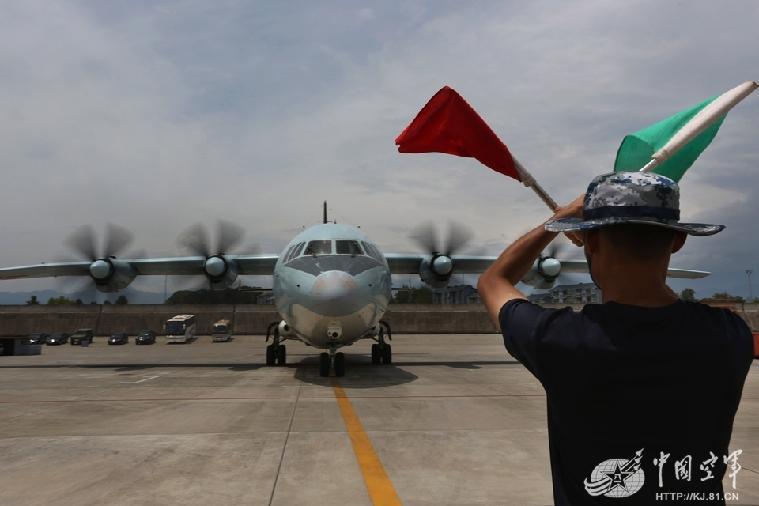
(376, 354)
(324, 364)
(339, 365)
(387, 354)
(281, 355)
(271, 355)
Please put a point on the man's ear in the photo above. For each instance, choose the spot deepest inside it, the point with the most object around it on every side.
(679, 241)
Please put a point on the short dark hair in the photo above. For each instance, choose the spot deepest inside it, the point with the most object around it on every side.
(640, 241)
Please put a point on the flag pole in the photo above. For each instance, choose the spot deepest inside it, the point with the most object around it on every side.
(700, 122)
(651, 165)
(529, 181)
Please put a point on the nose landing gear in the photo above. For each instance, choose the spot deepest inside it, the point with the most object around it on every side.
(276, 353)
(338, 363)
(382, 353)
(335, 360)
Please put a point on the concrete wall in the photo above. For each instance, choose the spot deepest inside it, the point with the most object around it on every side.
(111, 318)
(246, 319)
(24, 320)
(752, 318)
(439, 319)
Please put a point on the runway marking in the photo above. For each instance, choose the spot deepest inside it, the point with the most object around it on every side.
(284, 446)
(143, 379)
(146, 379)
(378, 484)
(142, 399)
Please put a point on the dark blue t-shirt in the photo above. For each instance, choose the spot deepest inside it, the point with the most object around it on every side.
(631, 390)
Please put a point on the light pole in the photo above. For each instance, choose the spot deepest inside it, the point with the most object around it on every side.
(749, 272)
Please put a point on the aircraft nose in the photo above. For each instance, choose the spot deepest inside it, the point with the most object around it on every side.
(334, 287)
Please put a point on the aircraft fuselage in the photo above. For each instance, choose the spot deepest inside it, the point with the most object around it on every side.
(331, 285)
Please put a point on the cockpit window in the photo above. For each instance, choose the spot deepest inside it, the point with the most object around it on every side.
(294, 251)
(319, 248)
(372, 251)
(297, 251)
(288, 253)
(348, 248)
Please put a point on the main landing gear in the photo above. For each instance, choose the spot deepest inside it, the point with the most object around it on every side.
(334, 360)
(382, 353)
(276, 353)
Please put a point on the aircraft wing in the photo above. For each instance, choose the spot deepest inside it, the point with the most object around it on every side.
(246, 265)
(465, 264)
(581, 267)
(255, 265)
(462, 264)
(686, 274)
(46, 270)
(403, 264)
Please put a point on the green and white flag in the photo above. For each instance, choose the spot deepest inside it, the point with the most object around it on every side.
(670, 146)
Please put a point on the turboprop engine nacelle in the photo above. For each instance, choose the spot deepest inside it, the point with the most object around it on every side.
(111, 275)
(220, 271)
(544, 273)
(284, 329)
(436, 271)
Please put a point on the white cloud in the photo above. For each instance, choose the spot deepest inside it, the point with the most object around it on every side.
(158, 116)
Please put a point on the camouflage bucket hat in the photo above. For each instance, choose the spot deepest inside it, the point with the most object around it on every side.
(631, 197)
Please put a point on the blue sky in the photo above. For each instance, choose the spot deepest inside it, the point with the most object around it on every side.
(157, 115)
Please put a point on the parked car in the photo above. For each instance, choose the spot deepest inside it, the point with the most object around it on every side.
(120, 338)
(81, 335)
(37, 338)
(58, 339)
(145, 337)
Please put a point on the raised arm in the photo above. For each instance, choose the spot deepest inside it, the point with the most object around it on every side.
(497, 284)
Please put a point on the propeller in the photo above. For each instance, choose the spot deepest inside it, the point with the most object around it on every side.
(426, 237)
(197, 240)
(440, 264)
(84, 243)
(106, 273)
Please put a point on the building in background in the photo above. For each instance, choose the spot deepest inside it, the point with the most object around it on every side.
(580, 293)
(458, 294)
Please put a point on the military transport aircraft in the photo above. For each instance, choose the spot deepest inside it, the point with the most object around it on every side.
(331, 285)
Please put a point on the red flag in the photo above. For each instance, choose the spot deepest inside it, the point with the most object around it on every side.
(447, 124)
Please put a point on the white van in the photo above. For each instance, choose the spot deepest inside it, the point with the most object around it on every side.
(221, 331)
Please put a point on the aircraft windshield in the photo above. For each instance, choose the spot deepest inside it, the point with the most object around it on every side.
(174, 328)
(318, 248)
(348, 248)
(294, 251)
(372, 251)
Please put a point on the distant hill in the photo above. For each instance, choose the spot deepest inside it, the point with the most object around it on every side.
(133, 296)
(21, 297)
(241, 295)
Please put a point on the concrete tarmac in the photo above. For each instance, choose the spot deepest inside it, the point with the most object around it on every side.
(454, 421)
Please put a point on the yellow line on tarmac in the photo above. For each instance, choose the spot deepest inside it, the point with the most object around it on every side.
(378, 484)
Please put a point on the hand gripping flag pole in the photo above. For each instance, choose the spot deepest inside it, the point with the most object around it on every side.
(448, 124)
